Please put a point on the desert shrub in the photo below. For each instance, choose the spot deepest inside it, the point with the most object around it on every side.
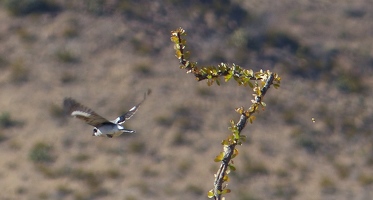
(66, 56)
(19, 73)
(25, 7)
(6, 120)
(41, 153)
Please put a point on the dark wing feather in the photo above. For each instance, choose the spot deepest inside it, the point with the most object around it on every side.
(82, 112)
(126, 116)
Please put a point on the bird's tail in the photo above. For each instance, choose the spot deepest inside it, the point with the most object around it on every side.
(128, 131)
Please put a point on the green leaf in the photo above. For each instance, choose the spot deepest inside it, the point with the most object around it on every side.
(210, 82)
(239, 110)
(186, 54)
(231, 167)
(243, 138)
(225, 191)
(210, 194)
(236, 133)
(228, 171)
(219, 157)
(175, 39)
(250, 73)
(252, 118)
(235, 153)
(226, 178)
(227, 77)
(250, 84)
(178, 54)
(232, 123)
(225, 142)
(230, 139)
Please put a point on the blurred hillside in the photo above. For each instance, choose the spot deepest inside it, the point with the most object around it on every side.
(106, 54)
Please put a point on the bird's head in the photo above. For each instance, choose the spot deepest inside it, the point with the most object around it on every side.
(96, 132)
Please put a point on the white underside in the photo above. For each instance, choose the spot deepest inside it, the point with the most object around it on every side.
(114, 130)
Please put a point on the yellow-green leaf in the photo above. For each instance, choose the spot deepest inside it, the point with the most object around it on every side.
(210, 194)
(186, 54)
(225, 191)
(227, 77)
(236, 133)
(250, 84)
(232, 123)
(239, 110)
(235, 153)
(225, 142)
(252, 118)
(178, 54)
(219, 157)
(231, 167)
(226, 178)
(243, 138)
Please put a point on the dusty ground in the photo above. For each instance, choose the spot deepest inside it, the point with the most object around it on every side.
(106, 56)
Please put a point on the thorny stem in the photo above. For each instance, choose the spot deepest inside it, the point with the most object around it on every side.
(190, 67)
(229, 149)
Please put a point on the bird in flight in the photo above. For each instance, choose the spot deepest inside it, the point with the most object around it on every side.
(102, 126)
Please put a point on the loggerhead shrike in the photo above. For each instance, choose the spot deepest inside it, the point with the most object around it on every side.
(102, 126)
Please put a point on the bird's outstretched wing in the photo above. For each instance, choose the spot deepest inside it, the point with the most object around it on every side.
(80, 111)
(121, 119)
